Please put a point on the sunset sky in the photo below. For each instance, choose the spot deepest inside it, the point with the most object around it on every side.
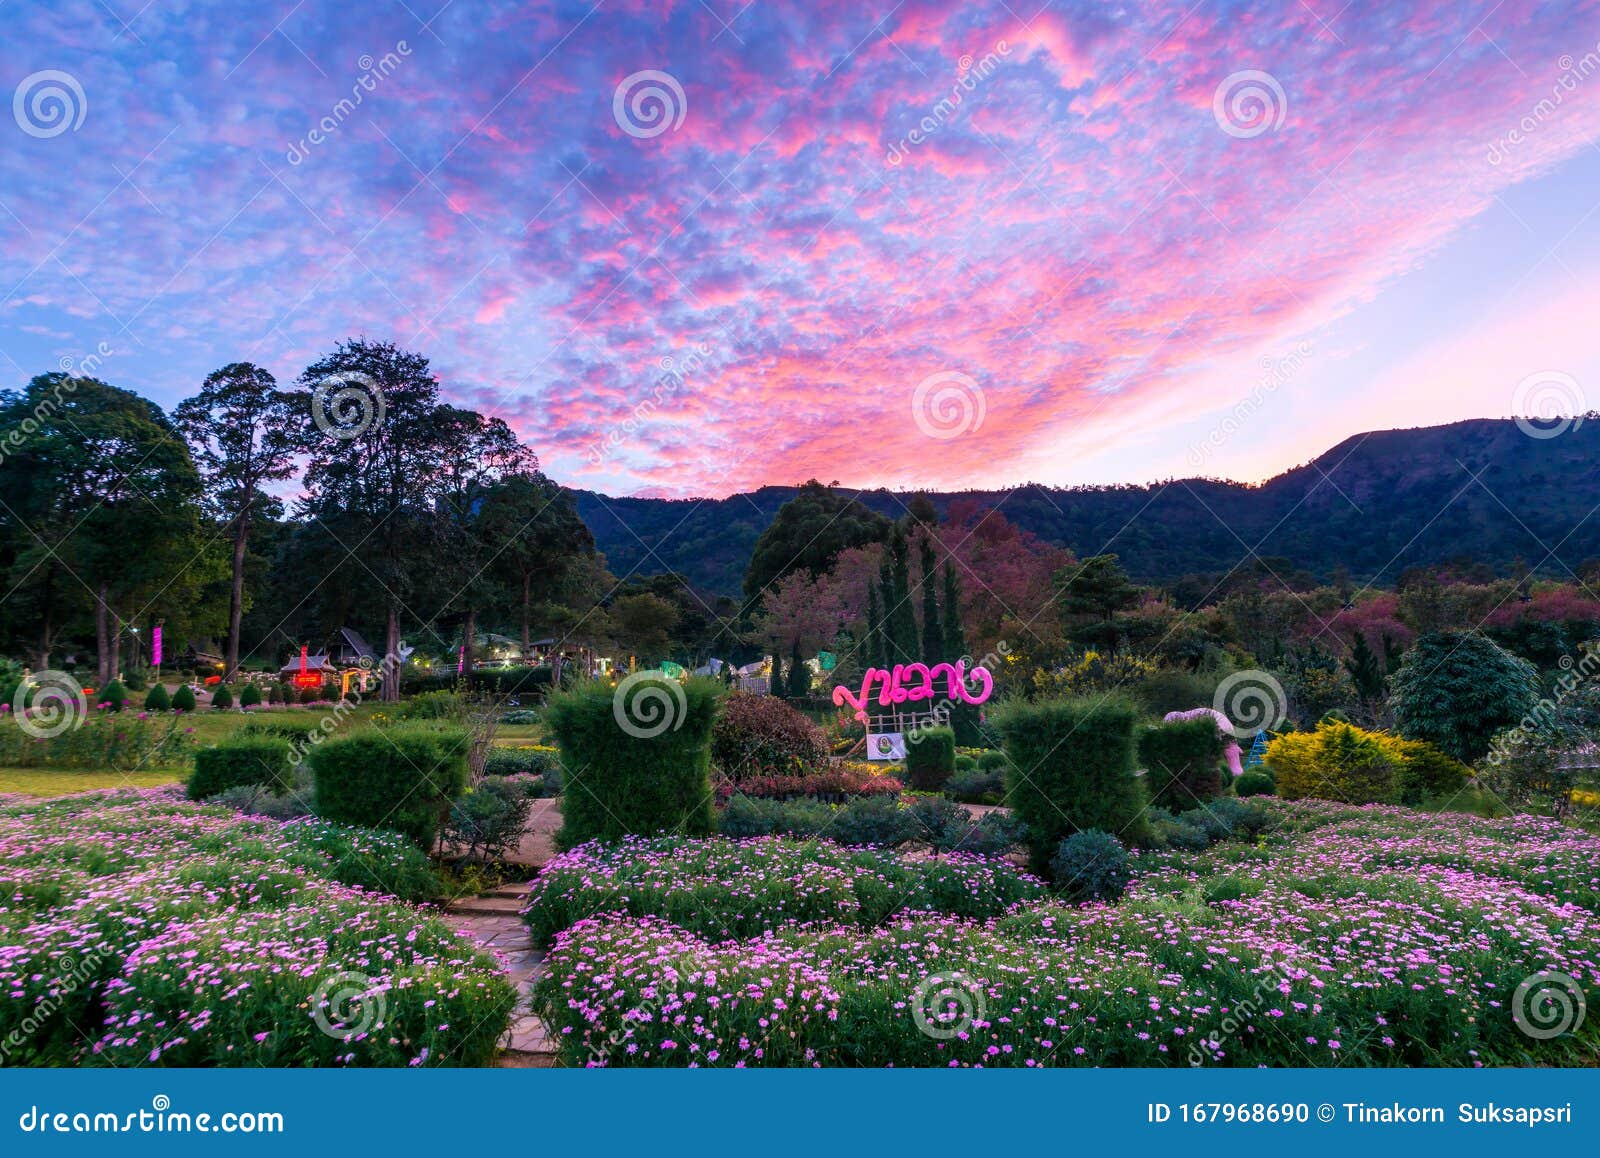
(1136, 241)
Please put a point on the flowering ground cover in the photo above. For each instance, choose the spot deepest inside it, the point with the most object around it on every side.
(136, 928)
(1344, 936)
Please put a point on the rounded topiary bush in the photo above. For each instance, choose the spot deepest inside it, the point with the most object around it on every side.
(113, 695)
(222, 697)
(930, 758)
(1182, 761)
(183, 699)
(249, 695)
(1255, 784)
(1091, 866)
(991, 760)
(759, 735)
(310, 695)
(157, 700)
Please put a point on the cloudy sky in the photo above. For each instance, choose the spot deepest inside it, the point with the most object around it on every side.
(694, 247)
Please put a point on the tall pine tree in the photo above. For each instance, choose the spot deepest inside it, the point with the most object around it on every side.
(955, 639)
(901, 619)
(932, 633)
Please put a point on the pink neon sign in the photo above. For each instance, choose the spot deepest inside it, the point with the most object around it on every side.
(910, 682)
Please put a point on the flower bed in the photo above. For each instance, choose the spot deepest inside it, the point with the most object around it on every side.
(136, 928)
(1348, 936)
(721, 888)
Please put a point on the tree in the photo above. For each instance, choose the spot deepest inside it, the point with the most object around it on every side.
(1456, 689)
(540, 543)
(1366, 673)
(103, 494)
(243, 432)
(799, 685)
(955, 639)
(1097, 587)
(932, 633)
(373, 477)
(807, 533)
(644, 624)
(899, 619)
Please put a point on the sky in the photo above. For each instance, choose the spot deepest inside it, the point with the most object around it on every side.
(694, 248)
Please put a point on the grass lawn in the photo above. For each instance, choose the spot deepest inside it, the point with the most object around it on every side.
(61, 781)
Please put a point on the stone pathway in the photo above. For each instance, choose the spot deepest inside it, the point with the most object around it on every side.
(492, 921)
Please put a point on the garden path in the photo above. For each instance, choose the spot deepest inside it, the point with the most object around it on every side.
(492, 921)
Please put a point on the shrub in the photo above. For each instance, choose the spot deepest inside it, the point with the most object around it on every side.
(241, 760)
(1526, 771)
(1182, 761)
(1179, 832)
(992, 761)
(222, 697)
(402, 778)
(1091, 866)
(983, 787)
(763, 736)
(488, 820)
(1255, 784)
(113, 695)
(1457, 689)
(438, 705)
(835, 784)
(310, 695)
(873, 822)
(746, 816)
(1426, 773)
(157, 699)
(521, 716)
(965, 763)
(930, 758)
(1335, 762)
(534, 761)
(249, 695)
(648, 776)
(1071, 768)
(1238, 819)
(369, 858)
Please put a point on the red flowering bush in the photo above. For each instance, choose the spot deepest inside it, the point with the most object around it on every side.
(763, 736)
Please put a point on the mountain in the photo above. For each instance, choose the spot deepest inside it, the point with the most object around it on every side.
(1374, 504)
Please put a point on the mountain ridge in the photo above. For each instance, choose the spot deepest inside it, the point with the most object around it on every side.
(1373, 504)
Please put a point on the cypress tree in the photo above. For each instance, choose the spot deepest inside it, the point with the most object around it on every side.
(799, 675)
(901, 617)
(932, 634)
(874, 641)
(955, 639)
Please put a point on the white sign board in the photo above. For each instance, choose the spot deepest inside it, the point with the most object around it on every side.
(886, 746)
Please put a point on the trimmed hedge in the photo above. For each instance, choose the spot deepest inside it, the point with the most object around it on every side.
(222, 697)
(1183, 762)
(242, 760)
(157, 700)
(183, 699)
(113, 695)
(249, 695)
(1071, 769)
(930, 758)
(1255, 784)
(637, 758)
(402, 778)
